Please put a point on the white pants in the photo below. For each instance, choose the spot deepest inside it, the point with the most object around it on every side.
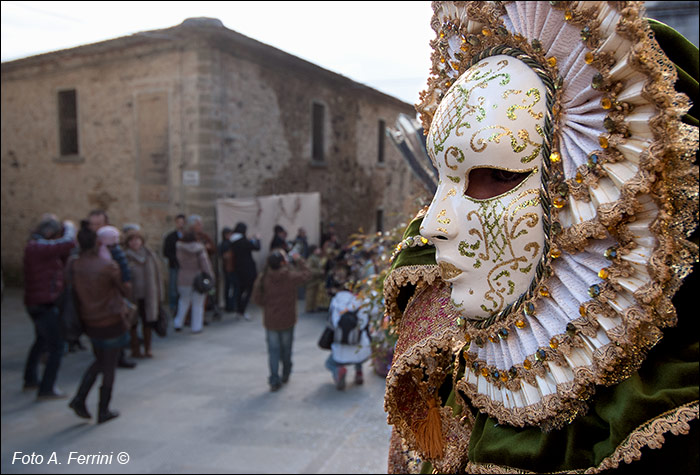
(189, 296)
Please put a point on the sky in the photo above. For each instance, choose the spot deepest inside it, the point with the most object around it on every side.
(384, 45)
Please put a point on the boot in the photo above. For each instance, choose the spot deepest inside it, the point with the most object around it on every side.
(78, 402)
(135, 344)
(358, 377)
(147, 342)
(104, 413)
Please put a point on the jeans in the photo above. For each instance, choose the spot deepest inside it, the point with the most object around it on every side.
(279, 348)
(47, 338)
(189, 296)
(230, 285)
(173, 294)
(333, 367)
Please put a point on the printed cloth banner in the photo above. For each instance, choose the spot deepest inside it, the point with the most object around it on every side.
(261, 214)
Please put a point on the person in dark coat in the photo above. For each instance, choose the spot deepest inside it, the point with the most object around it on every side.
(228, 263)
(279, 241)
(245, 269)
(45, 256)
(170, 254)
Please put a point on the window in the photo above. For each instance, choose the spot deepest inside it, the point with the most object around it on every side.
(68, 122)
(380, 220)
(318, 117)
(380, 149)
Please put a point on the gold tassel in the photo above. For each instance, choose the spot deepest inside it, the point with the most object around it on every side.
(428, 432)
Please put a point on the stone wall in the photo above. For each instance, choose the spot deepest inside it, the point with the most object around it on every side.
(194, 98)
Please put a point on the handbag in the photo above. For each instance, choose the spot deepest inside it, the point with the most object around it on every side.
(71, 326)
(202, 283)
(326, 338)
(161, 324)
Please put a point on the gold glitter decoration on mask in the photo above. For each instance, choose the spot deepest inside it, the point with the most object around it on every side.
(450, 193)
(453, 114)
(441, 217)
(448, 271)
(535, 93)
(481, 143)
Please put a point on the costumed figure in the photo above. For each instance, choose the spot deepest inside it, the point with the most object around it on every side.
(541, 300)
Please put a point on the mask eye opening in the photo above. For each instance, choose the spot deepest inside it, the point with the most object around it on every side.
(488, 182)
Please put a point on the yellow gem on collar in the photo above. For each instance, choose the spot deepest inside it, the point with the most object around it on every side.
(568, 15)
(555, 253)
(486, 32)
(606, 103)
(582, 311)
(604, 273)
(553, 344)
(589, 57)
(527, 365)
(603, 142)
(552, 61)
(578, 178)
(520, 323)
(559, 202)
(484, 372)
(555, 157)
(544, 291)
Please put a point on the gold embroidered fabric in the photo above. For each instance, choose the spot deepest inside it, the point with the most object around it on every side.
(422, 362)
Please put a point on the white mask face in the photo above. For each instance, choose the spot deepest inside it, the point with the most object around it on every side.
(486, 217)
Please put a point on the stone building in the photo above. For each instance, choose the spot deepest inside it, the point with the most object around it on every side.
(167, 121)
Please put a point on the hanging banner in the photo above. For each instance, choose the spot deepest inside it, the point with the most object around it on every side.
(261, 214)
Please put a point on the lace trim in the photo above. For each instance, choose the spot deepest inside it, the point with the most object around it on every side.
(650, 434)
(421, 276)
(416, 376)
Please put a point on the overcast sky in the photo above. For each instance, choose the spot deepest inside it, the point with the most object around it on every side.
(381, 44)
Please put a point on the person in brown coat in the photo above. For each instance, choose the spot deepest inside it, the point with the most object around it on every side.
(145, 290)
(100, 294)
(275, 290)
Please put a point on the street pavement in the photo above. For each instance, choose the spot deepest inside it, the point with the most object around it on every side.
(200, 405)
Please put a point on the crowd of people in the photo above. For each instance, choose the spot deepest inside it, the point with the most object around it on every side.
(114, 277)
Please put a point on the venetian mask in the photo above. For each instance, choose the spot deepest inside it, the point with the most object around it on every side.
(485, 219)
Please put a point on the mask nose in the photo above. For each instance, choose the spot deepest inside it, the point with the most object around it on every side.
(439, 223)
